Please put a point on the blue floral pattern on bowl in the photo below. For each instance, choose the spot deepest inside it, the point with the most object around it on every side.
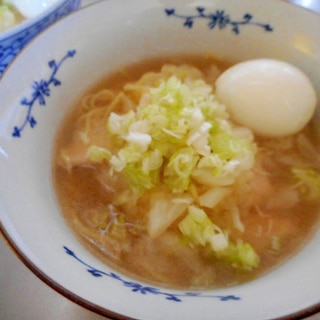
(41, 90)
(142, 289)
(12, 45)
(218, 19)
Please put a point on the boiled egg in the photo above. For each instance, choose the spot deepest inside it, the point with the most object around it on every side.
(272, 98)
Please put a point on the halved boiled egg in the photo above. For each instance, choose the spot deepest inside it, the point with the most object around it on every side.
(271, 97)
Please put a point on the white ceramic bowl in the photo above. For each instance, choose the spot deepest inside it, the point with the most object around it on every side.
(13, 40)
(48, 76)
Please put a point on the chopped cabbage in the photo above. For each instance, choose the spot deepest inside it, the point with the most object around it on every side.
(227, 146)
(98, 154)
(179, 135)
(200, 230)
(240, 255)
(308, 182)
(178, 128)
(178, 171)
(165, 210)
(213, 196)
(7, 17)
(138, 179)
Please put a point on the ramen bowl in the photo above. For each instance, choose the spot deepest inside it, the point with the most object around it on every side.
(13, 40)
(56, 70)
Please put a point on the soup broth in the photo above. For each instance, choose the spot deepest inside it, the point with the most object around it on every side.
(258, 216)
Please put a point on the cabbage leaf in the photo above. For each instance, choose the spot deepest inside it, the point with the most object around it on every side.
(201, 231)
(7, 16)
(308, 182)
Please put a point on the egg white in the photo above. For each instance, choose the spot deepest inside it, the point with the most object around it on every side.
(271, 97)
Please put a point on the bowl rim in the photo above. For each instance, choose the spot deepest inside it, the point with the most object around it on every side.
(301, 314)
(55, 285)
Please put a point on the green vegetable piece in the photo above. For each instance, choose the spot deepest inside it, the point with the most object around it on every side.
(179, 168)
(117, 228)
(138, 179)
(98, 154)
(200, 230)
(240, 255)
(227, 146)
(308, 182)
(100, 219)
(7, 17)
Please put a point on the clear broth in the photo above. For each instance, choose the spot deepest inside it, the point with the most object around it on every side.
(165, 260)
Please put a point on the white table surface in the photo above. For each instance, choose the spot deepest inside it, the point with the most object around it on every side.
(25, 297)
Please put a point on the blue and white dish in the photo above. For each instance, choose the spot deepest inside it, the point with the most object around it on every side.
(14, 40)
(47, 78)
